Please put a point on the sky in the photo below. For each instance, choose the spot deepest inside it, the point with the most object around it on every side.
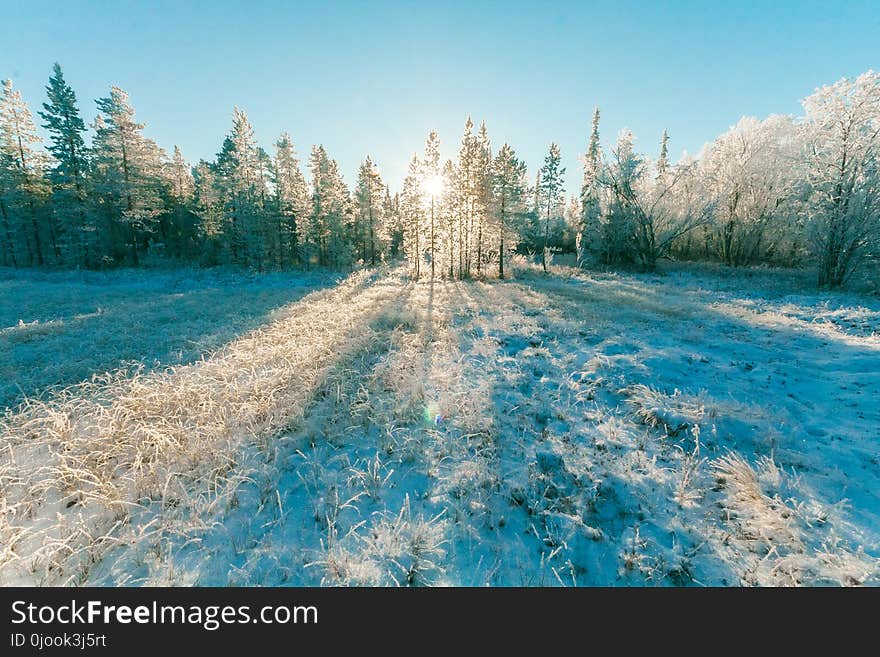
(375, 77)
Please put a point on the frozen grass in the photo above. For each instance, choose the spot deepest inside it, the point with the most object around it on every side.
(564, 429)
(60, 328)
(76, 466)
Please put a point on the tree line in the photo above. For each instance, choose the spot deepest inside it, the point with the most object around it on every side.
(784, 191)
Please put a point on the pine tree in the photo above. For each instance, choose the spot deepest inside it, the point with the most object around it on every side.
(178, 225)
(450, 213)
(431, 187)
(331, 210)
(266, 237)
(23, 167)
(128, 167)
(208, 204)
(223, 174)
(589, 235)
(621, 178)
(467, 173)
(341, 217)
(292, 199)
(180, 178)
(663, 160)
(392, 227)
(65, 127)
(411, 212)
(243, 180)
(509, 189)
(483, 191)
(550, 193)
(369, 196)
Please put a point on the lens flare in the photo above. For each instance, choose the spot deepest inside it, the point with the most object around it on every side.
(431, 414)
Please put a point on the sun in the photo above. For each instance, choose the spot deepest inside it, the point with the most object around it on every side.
(432, 186)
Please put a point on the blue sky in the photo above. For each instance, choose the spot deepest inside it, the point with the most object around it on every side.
(375, 77)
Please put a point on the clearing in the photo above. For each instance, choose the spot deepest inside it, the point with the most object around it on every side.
(562, 429)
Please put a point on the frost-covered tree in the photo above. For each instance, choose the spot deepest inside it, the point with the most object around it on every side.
(751, 172)
(244, 194)
(468, 195)
(331, 211)
(178, 225)
(412, 213)
(509, 194)
(482, 192)
(767, 191)
(369, 196)
(128, 173)
(589, 236)
(209, 210)
(550, 195)
(431, 185)
(663, 160)
(23, 185)
(450, 213)
(646, 213)
(62, 121)
(223, 171)
(291, 199)
(572, 220)
(267, 236)
(180, 180)
(842, 136)
(393, 226)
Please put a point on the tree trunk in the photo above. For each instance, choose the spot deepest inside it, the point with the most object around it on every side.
(461, 220)
(546, 230)
(480, 246)
(372, 240)
(501, 249)
(134, 250)
(281, 248)
(9, 244)
(37, 242)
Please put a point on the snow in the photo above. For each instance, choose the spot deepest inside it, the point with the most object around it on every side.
(692, 428)
(59, 328)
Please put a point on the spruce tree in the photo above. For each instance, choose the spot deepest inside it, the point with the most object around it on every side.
(550, 193)
(430, 175)
(450, 213)
(392, 226)
(244, 194)
(208, 208)
(292, 199)
(223, 175)
(128, 172)
(331, 210)
(509, 192)
(411, 212)
(467, 170)
(663, 160)
(66, 144)
(589, 235)
(368, 198)
(23, 169)
(483, 189)
(178, 225)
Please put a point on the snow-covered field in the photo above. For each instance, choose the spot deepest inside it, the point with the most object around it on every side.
(564, 429)
(60, 328)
